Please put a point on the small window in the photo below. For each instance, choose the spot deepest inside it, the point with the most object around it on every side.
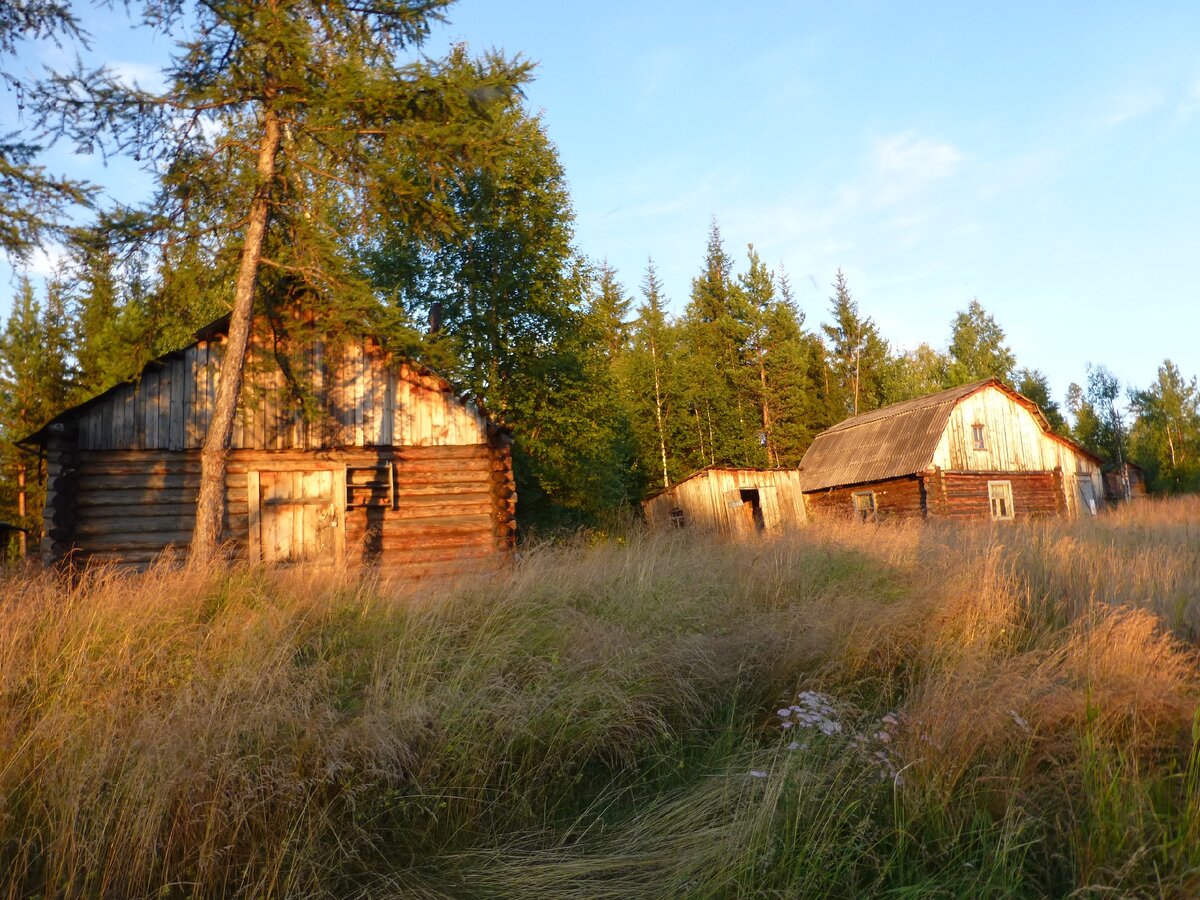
(1001, 499)
(677, 520)
(864, 506)
(978, 439)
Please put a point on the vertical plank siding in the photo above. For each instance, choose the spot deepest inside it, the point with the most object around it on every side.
(1014, 442)
(362, 398)
(710, 500)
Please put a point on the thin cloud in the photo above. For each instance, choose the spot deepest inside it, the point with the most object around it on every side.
(1128, 106)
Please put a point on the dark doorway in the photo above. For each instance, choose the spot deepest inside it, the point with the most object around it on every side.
(752, 508)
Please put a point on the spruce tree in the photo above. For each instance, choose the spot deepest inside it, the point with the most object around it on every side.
(648, 380)
(717, 369)
(859, 359)
(276, 113)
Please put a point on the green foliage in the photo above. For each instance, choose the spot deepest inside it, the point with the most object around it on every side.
(647, 380)
(1165, 437)
(33, 203)
(716, 377)
(1034, 384)
(859, 358)
(977, 348)
(917, 373)
(35, 384)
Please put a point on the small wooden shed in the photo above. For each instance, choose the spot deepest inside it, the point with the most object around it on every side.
(981, 450)
(741, 503)
(1124, 482)
(342, 454)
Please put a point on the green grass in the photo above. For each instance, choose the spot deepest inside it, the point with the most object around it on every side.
(600, 722)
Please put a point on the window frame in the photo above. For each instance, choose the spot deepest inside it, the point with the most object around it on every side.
(677, 517)
(979, 436)
(1010, 514)
(865, 514)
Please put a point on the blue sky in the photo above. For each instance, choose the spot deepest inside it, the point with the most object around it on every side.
(1039, 157)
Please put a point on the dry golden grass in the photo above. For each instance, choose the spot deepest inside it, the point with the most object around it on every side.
(585, 724)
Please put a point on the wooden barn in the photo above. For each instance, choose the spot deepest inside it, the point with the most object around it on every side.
(977, 451)
(741, 503)
(342, 454)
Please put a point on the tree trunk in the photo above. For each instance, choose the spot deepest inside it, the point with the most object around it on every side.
(210, 504)
(768, 438)
(658, 414)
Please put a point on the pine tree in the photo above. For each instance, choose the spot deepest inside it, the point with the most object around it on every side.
(795, 358)
(977, 348)
(610, 309)
(784, 357)
(309, 110)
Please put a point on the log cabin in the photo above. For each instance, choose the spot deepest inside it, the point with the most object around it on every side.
(737, 503)
(342, 454)
(978, 451)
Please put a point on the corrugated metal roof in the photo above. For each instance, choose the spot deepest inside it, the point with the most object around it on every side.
(890, 442)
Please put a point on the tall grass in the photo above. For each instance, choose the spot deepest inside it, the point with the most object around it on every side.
(1015, 715)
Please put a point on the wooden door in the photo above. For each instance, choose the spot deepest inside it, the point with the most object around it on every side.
(297, 515)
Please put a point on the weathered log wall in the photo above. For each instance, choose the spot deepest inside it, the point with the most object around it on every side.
(453, 508)
(895, 498)
(964, 495)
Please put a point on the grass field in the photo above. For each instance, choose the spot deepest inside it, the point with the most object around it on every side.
(896, 711)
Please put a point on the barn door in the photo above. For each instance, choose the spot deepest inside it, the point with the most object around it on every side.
(1087, 494)
(297, 516)
(768, 496)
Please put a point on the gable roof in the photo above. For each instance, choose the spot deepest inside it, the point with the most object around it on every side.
(897, 440)
(704, 470)
(219, 328)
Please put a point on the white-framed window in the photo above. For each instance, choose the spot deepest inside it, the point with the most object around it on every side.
(1000, 499)
(864, 506)
(678, 520)
(978, 436)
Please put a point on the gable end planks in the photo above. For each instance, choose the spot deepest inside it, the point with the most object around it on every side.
(352, 396)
